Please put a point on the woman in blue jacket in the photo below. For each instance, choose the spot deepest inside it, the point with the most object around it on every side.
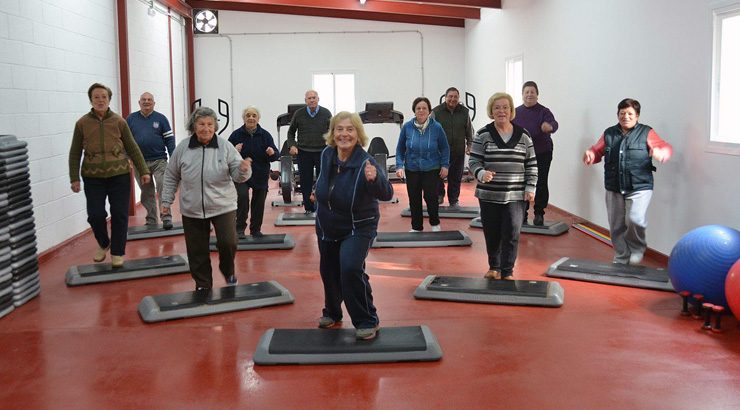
(347, 193)
(423, 158)
(255, 142)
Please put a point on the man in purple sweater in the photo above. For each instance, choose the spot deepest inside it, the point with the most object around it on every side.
(539, 121)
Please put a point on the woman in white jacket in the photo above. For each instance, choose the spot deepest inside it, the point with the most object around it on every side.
(206, 167)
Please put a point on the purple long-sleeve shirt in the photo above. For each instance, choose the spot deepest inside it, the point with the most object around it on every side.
(531, 119)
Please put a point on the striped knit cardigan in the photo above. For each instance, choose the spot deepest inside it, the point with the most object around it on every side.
(514, 163)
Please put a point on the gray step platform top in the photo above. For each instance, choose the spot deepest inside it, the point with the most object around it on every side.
(611, 273)
(265, 242)
(550, 228)
(280, 202)
(421, 239)
(201, 303)
(132, 269)
(337, 346)
(462, 212)
(295, 219)
(482, 290)
(153, 231)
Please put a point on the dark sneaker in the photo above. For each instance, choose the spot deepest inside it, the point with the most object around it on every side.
(366, 333)
(441, 199)
(241, 235)
(231, 280)
(325, 322)
(524, 221)
(167, 225)
(539, 220)
(454, 206)
(257, 234)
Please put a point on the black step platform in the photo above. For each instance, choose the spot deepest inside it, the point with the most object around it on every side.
(335, 346)
(482, 290)
(550, 228)
(462, 212)
(611, 273)
(153, 231)
(132, 269)
(421, 239)
(295, 219)
(227, 299)
(267, 241)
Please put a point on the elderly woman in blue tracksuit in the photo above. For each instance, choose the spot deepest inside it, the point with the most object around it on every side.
(423, 158)
(347, 193)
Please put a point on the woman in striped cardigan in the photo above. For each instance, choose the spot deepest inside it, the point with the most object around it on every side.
(503, 161)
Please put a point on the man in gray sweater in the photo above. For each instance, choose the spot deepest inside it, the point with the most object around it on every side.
(311, 124)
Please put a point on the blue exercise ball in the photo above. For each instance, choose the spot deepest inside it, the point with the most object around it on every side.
(701, 259)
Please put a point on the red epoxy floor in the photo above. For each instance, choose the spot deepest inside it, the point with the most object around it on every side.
(607, 347)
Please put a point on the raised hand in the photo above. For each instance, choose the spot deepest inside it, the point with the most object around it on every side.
(487, 176)
(589, 157)
(370, 172)
(246, 164)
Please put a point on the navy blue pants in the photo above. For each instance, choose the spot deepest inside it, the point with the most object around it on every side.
(342, 269)
(542, 195)
(117, 190)
(454, 179)
(307, 162)
(502, 224)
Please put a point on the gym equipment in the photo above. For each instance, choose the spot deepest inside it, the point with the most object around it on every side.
(462, 212)
(334, 346)
(153, 231)
(287, 177)
(201, 303)
(132, 269)
(295, 219)
(635, 276)
(421, 239)
(267, 241)
(382, 113)
(732, 289)
(381, 160)
(482, 290)
(700, 260)
(549, 228)
(603, 238)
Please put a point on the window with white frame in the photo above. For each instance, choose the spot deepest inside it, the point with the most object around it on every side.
(724, 136)
(514, 79)
(336, 91)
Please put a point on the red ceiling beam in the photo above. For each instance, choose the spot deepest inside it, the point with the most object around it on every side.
(325, 12)
(485, 4)
(389, 7)
(179, 6)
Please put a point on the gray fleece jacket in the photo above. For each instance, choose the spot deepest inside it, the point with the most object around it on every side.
(207, 174)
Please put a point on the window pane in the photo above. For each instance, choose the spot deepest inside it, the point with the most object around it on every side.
(729, 86)
(514, 79)
(324, 85)
(345, 92)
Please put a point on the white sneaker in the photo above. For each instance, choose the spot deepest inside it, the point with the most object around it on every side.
(414, 230)
(436, 228)
(636, 258)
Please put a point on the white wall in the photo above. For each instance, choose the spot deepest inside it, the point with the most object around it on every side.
(50, 53)
(588, 55)
(274, 56)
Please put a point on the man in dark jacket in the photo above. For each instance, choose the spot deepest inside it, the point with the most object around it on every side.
(311, 124)
(455, 120)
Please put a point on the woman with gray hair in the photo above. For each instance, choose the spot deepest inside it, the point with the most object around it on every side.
(503, 161)
(255, 143)
(206, 167)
